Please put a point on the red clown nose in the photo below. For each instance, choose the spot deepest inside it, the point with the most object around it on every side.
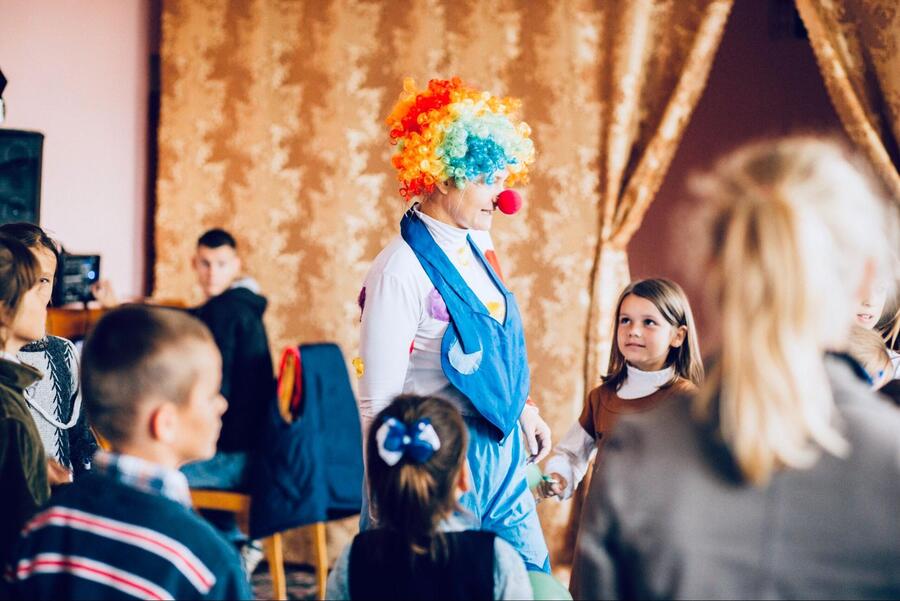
(509, 202)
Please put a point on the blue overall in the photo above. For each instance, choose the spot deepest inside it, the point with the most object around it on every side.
(487, 362)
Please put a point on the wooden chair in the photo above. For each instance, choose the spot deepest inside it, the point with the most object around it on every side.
(240, 504)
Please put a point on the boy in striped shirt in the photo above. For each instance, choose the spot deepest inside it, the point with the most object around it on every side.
(150, 379)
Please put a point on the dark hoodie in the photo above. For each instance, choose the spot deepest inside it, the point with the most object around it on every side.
(235, 319)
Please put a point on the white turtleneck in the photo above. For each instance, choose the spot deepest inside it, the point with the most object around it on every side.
(402, 308)
(572, 454)
(639, 384)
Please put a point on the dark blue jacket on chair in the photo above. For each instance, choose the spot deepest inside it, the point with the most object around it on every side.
(310, 470)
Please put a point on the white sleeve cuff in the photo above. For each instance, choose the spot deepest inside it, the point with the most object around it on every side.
(570, 457)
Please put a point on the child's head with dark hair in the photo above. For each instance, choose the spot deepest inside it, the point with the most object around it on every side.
(31, 236)
(654, 329)
(45, 249)
(416, 465)
(22, 318)
(215, 238)
(150, 379)
(216, 262)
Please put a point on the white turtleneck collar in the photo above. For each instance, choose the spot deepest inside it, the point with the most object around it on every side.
(639, 383)
(10, 357)
(446, 235)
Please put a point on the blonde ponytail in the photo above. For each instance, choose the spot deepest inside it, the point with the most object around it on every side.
(794, 225)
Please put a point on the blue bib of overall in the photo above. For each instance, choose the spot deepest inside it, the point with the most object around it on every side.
(484, 359)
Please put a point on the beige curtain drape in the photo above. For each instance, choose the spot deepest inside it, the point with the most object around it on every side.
(655, 60)
(271, 126)
(857, 46)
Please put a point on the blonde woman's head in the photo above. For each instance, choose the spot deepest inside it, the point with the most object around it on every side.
(797, 237)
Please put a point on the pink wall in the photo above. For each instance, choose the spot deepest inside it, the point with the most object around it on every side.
(763, 83)
(78, 73)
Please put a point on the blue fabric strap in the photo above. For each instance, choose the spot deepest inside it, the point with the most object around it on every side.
(484, 359)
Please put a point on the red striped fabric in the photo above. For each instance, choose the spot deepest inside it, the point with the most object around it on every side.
(149, 540)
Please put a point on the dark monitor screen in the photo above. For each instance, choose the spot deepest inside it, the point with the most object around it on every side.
(76, 276)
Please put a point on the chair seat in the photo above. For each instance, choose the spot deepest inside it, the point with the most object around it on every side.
(224, 500)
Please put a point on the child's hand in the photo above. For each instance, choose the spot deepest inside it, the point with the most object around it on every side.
(57, 474)
(104, 292)
(552, 485)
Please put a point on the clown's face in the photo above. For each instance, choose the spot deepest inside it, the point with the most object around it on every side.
(473, 206)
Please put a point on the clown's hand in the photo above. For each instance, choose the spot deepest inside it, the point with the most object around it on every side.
(537, 433)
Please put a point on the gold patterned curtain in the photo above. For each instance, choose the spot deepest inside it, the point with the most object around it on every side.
(857, 46)
(655, 60)
(271, 126)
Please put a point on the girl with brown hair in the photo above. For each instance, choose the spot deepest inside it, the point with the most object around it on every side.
(55, 400)
(423, 547)
(655, 355)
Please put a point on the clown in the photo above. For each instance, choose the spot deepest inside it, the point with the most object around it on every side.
(436, 315)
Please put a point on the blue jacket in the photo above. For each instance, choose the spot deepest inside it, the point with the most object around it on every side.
(310, 470)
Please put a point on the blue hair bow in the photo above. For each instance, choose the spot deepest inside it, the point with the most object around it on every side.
(396, 440)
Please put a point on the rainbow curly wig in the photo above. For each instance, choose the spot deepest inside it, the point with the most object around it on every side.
(450, 132)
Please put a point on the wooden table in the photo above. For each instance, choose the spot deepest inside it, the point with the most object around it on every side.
(72, 323)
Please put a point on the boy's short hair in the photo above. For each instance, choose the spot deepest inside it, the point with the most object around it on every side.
(215, 238)
(133, 353)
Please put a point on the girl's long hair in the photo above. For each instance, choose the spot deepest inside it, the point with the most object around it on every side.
(672, 303)
(794, 225)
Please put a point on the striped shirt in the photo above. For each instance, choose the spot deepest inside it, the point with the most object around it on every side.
(124, 531)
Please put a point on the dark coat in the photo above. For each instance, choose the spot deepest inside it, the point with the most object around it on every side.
(668, 515)
(235, 320)
(310, 470)
(23, 465)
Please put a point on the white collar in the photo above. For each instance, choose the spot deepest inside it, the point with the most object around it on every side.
(639, 383)
(446, 235)
(10, 357)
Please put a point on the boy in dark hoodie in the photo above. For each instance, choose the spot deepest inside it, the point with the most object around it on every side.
(233, 313)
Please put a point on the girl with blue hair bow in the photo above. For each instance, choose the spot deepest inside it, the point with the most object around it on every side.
(422, 549)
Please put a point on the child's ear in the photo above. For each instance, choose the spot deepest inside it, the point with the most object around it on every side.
(679, 337)
(463, 480)
(164, 423)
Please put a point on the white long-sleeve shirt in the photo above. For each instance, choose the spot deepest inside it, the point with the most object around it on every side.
(572, 454)
(404, 319)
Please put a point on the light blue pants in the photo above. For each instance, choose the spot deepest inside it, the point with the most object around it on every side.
(499, 500)
(223, 471)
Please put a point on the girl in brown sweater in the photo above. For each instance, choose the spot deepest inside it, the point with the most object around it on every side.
(655, 356)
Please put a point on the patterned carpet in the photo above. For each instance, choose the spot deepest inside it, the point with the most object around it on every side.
(301, 582)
